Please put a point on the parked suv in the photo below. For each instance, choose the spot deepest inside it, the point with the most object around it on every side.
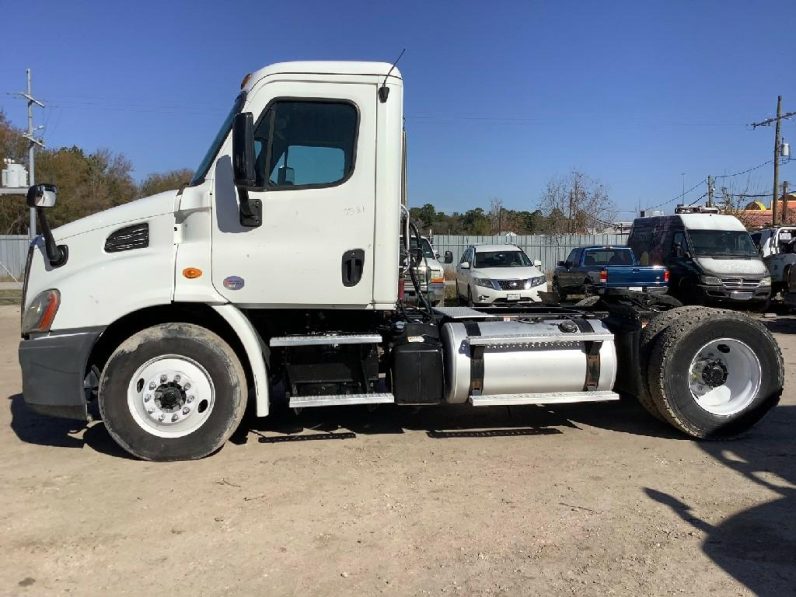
(498, 274)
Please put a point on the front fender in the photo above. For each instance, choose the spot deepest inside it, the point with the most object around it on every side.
(254, 347)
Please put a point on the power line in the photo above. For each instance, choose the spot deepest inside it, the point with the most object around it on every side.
(766, 163)
(678, 196)
(772, 120)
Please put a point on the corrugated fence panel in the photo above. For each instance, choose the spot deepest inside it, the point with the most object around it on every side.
(13, 253)
(548, 248)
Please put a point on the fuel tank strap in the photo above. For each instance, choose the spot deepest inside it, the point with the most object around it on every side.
(592, 348)
(476, 360)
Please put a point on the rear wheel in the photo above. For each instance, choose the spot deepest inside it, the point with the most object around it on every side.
(174, 391)
(714, 373)
(649, 335)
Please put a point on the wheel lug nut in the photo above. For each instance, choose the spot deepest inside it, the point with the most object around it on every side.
(177, 378)
(152, 385)
(187, 386)
(190, 399)
(186, 410)
(163, 379)
(148, 397)
(174, 417)
(150, 410)
(161, 417)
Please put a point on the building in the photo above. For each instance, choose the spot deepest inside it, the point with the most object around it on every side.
(757, 215)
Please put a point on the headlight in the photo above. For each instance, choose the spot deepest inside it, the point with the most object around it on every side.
(485, 282)
(710, 280)
(39, 315)
(765, 281)
(532, 282)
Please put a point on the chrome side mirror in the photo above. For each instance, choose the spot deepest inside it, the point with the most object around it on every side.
(42, 195)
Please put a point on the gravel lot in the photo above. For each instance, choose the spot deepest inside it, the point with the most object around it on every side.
(587, 500)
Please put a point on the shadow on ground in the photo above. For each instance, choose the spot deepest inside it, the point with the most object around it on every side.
(756, 546)
(41, 430)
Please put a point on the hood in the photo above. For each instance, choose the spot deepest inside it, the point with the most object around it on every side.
(753, 266)
(134, 211)
(506, 273)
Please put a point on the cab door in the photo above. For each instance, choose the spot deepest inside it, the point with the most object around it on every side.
(315, 148)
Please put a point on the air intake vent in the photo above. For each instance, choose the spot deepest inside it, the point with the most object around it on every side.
(128, 238)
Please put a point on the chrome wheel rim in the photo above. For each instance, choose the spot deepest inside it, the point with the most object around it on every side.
(724, 376)
(170, 396)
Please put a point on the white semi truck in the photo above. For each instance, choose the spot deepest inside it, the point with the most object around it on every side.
(276, 268)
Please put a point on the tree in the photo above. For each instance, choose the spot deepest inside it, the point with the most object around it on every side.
(576, 203)
(166, 181)
(475, 221)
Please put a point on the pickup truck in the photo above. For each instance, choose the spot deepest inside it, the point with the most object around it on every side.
(592, 270)
(777, 247)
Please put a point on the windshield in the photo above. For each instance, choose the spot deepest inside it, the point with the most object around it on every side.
(501, 259)
(722, 243)
(226, 126)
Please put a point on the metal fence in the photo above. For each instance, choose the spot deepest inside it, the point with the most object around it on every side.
(548, 248)
(13, 252)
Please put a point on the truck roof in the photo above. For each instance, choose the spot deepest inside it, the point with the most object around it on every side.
(702, 221)
(325, 67)
(711, 222)
(612, 247)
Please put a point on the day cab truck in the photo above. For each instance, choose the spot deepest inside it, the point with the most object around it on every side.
(278, 267)
(777, 247)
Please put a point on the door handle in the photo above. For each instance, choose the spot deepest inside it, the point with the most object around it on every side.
(353, 264)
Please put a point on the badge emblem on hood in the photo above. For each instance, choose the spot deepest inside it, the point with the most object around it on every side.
(233, 283)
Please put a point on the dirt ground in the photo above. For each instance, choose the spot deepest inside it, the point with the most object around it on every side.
(586, 500)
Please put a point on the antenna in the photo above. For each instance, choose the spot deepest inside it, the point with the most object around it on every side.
(384, 91)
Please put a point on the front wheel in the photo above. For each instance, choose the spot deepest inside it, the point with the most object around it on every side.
(715, 373)
(173, 391)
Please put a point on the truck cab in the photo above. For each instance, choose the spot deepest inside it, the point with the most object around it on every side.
(276, 275)
(777, 247)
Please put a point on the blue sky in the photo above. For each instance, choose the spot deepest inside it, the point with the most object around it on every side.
(500, 96)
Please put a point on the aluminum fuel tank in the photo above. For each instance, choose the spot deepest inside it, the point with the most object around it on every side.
(517, 357)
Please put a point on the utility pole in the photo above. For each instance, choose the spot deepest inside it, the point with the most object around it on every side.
(777, 150)
(32, 143)
(710, 191)
(777, 141)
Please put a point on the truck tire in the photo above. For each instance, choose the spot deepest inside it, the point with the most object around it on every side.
(174, 391)
(590, 301)
(648, 336)
(714, 374)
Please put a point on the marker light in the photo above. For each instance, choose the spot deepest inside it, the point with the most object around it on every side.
(191, 272)
(41, 312)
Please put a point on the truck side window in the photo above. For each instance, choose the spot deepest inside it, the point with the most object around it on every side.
(305, 144)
